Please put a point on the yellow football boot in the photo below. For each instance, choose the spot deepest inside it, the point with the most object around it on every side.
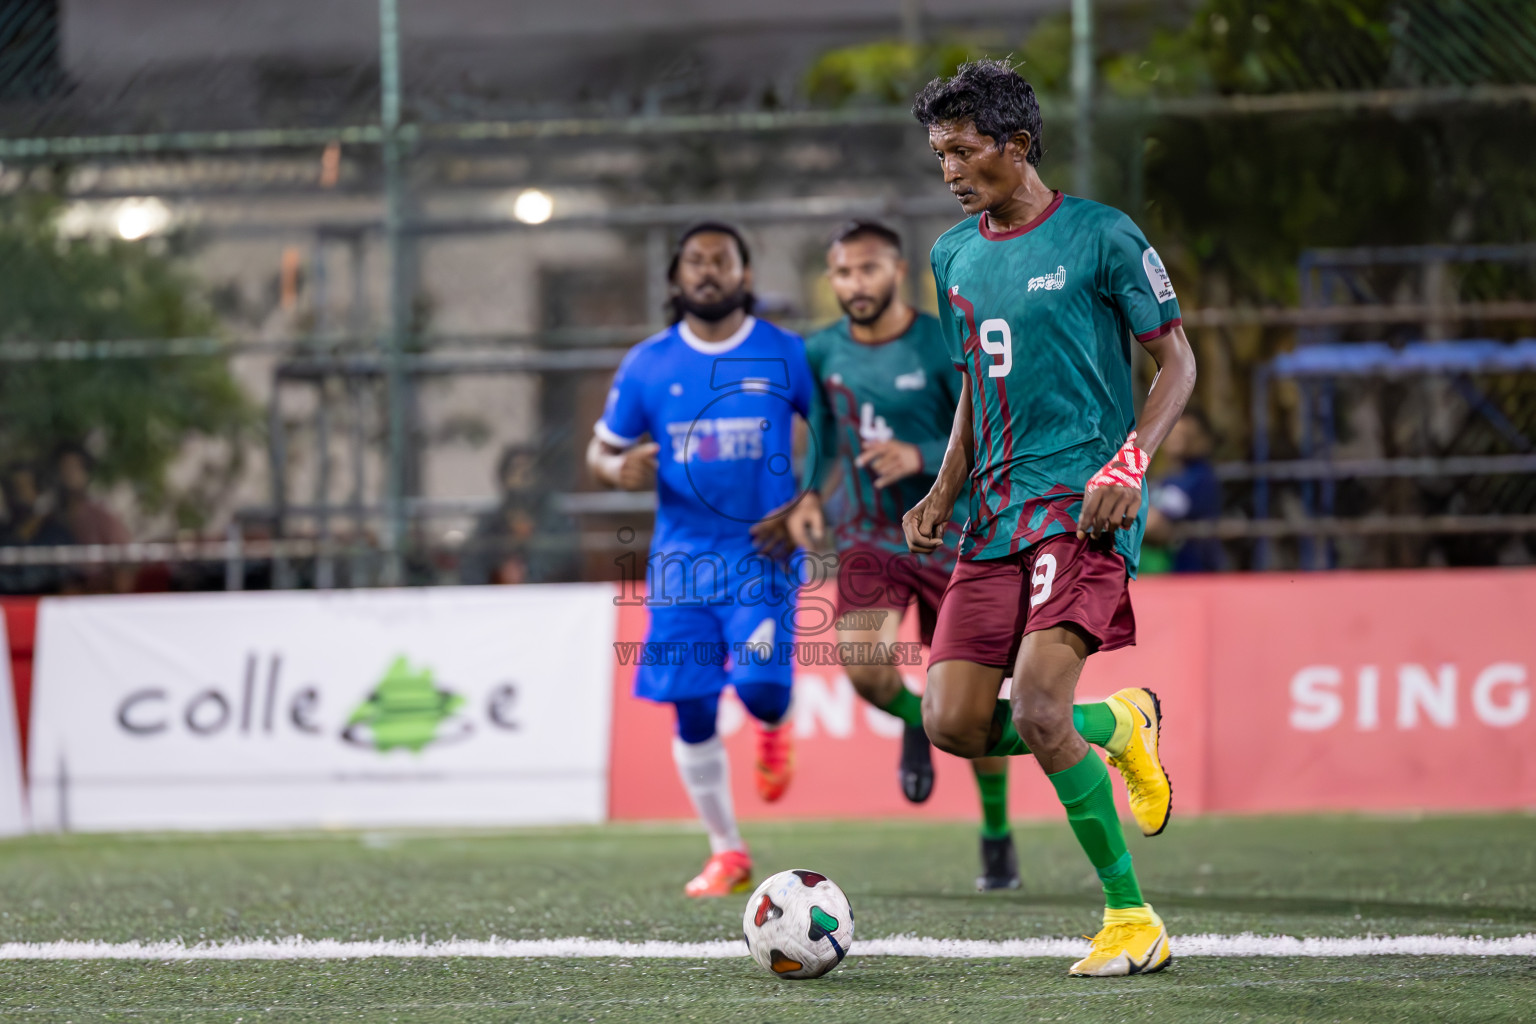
(1132, 941)
(1133, 750)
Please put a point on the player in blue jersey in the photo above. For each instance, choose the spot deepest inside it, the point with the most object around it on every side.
(717, 394)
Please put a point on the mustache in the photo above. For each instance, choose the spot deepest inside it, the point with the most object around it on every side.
(711, 309)
(881, 304)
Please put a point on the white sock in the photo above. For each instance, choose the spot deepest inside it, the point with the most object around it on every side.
(706, 773)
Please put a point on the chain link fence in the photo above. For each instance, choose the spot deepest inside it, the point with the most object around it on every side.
(342, 312)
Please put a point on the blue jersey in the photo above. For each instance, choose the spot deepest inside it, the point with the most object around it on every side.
(723, 413)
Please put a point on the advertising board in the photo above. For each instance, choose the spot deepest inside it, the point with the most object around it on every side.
(453, 706)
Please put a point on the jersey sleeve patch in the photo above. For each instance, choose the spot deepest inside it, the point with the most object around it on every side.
(1157, 274)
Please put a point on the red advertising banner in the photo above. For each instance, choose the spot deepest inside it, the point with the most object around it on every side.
(1347, 691)
(1373, 691)
(846, 750)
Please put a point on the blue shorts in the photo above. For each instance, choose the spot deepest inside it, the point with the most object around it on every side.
(697, 648)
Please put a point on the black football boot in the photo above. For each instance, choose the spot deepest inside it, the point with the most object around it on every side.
(916, 770)
(999, 865)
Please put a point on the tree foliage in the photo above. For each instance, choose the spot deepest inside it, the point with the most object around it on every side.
(1233, 200)
(884, 73)
(1244, 195)
(1247, 194)
(135, 414)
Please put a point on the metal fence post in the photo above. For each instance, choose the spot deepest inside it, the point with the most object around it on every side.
(277, 451)
(325, 562)
(399, 299)
(657, 287)
(234, 556)
(1082, 96)
(1260, 412)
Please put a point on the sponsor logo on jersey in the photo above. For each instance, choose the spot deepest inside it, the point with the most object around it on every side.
(1157, 275)
(725, 439)
(1050, 282)
(914, 381)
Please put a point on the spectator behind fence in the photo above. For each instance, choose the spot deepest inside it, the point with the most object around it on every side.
(519, 542)
(1189, 492)
(88, 520)
(28, 524)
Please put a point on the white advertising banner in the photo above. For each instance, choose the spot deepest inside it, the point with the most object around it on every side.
(13, 809)
(439, 706)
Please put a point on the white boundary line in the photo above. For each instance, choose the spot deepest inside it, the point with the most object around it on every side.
(300, 948)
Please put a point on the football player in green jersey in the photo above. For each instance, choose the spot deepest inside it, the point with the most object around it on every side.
(1041, 294)
(881, 414)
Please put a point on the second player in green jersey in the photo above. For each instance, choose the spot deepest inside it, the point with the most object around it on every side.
(901, 388)
(880, 416)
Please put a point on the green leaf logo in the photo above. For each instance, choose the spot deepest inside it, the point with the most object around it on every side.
(405, 709)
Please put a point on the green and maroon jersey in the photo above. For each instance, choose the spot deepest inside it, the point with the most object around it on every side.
(1041, 320)
(903, 389)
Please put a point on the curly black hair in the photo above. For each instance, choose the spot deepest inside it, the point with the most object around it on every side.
(992, 96)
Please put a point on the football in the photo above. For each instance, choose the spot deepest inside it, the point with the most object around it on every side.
(798, 924)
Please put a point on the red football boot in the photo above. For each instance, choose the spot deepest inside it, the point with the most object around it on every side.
(723, 874)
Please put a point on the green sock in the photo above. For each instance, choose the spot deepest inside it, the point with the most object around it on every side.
(994, 804)
(1084, 791)
(1008, 744)
(1094, 722)
(907, 706)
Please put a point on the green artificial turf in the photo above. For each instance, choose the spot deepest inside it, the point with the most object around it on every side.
(1294, 876)
(877, 989)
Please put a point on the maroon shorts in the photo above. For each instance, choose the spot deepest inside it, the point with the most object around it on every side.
(871, 577)
(989, 605)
